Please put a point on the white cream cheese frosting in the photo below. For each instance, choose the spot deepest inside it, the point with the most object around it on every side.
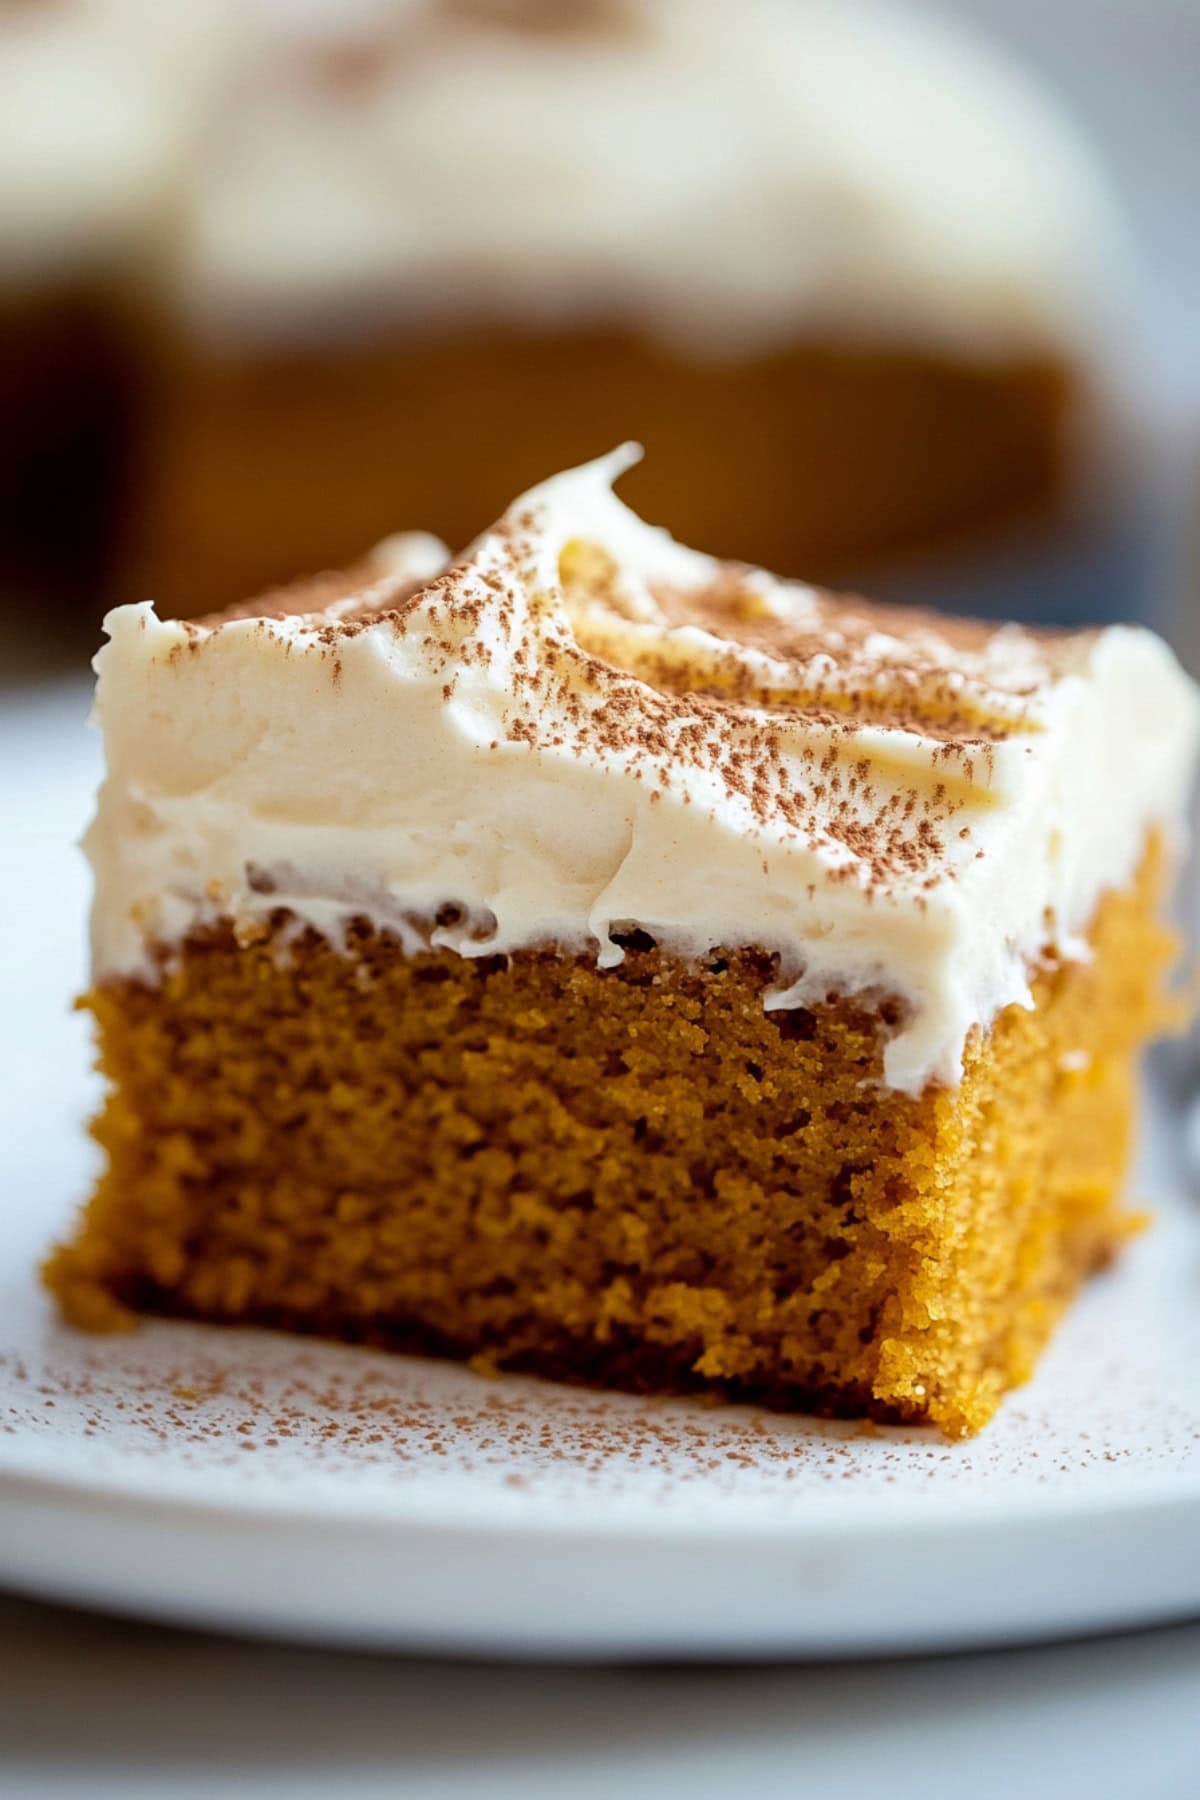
(579, 727)
(722, 176)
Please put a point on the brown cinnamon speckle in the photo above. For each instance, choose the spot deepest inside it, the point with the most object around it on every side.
(788, 700)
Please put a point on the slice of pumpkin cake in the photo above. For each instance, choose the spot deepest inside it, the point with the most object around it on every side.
(595, 959)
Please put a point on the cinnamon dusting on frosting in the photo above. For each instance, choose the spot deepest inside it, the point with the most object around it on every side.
(779, 690)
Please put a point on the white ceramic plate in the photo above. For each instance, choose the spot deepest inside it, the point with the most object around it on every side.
(250, 1481)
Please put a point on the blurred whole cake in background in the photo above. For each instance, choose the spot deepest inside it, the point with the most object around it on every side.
(853, 281)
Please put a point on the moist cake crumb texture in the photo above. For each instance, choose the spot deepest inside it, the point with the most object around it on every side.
(635, 1176)
(582, 956)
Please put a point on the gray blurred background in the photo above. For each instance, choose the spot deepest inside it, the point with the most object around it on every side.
(1130, 72)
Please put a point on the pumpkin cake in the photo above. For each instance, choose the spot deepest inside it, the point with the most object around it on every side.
(860, 283)
(592, 958)
(857, 280)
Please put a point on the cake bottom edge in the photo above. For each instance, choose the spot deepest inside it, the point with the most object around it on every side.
(623, 1363)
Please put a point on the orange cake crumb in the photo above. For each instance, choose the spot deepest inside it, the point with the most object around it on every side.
(632, 1176)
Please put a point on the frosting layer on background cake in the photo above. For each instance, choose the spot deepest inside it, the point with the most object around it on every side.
(724, 178)
(580, 727)
(856, 169)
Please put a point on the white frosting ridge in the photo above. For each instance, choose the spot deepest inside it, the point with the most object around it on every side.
(581, 726)
(724, 177)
